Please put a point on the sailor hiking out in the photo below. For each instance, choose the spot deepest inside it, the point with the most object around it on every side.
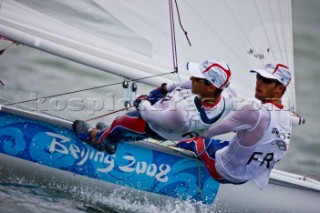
(170, 112)
(263, 132)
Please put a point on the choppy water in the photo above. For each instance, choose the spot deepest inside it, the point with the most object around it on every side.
(23, 80)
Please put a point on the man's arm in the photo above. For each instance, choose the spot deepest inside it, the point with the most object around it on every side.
(183, 85)
(241, 118)
(160, 92)
(172, 118)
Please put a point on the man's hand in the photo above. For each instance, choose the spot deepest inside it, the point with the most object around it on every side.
(158, 93)
(138, 100)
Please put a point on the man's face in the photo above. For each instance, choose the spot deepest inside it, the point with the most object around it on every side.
(266, 89)
(201, 87)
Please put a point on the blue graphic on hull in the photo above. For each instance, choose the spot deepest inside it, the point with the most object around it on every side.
(131, 165)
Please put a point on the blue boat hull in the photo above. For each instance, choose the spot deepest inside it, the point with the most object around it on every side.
(140, 165)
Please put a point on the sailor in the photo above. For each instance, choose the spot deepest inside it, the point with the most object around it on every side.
(263, 132)
(181, 112)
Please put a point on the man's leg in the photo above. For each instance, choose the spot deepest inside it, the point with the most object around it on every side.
(128, 127)
(109, 148)
(205, 149)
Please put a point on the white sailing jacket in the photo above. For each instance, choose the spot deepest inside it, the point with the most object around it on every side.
(180, 115)
(254, 151)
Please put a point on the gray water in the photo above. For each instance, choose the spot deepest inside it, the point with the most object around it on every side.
(22, 81)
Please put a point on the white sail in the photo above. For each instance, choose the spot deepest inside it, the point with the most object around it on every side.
(132, 38)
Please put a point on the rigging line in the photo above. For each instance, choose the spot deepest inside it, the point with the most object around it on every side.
(61, 94)
(238, 23)
(30, 108)
(110, 113)
(4, 49)
(276, 31)
(180, 23)
(5, 99)
(219, 37)
(223, 41)
(291, 92)
(155, 26)
(282, 32)
(91, 88)
(240, 26)
(264, 28)
(199, 178)
(173, 38)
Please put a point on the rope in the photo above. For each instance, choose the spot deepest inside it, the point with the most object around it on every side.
(199, 179)
(91, 88)
(173, 38)
(180, 23)
(173, 34)
(110, 113)
(4, 49)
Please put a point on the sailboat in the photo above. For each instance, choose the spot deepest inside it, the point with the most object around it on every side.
(133, 39)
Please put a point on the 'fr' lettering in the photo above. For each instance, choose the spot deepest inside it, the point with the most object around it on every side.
(267, 158)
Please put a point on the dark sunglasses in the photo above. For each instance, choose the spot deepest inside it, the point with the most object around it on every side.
(266, 80)
(202, 80)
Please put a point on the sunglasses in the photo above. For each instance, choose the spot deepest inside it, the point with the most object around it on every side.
(202, 80)
(266, 80)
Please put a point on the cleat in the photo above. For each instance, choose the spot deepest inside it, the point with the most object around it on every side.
(82, 129)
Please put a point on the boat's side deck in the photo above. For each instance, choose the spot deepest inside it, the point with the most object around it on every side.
(68, 124)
